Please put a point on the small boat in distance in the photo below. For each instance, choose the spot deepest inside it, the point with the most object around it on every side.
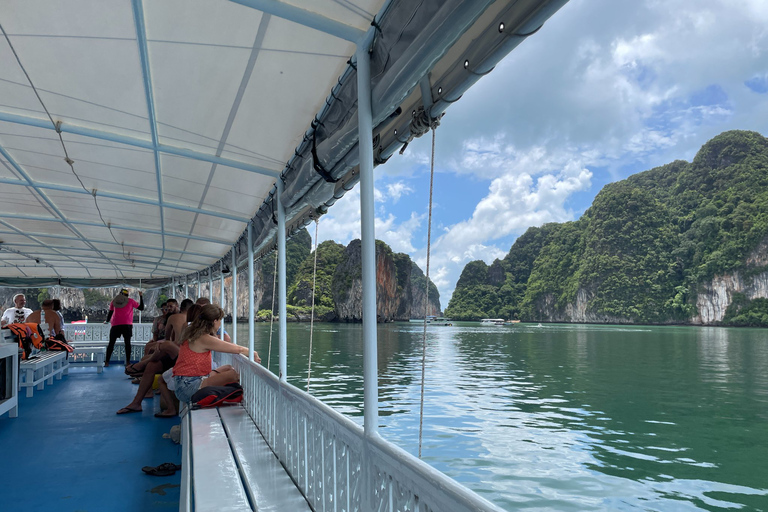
(433, 320)
(492, 321)
(511, 322)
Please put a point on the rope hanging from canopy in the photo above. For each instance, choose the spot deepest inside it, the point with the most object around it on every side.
(426, 301)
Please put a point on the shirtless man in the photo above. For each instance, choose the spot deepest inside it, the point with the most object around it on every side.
(51, 318)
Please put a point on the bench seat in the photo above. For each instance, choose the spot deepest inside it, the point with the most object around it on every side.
(40, 368)
(228, 466)
(89, 356)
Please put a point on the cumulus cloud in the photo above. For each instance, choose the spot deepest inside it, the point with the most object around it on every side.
(342, 223)
(603, 90)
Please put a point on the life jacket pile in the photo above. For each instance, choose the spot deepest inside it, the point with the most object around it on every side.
(31, 336)
(59, 342)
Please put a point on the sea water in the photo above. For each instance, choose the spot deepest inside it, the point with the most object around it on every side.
(560, 417)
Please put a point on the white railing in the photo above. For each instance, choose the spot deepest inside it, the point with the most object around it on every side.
(98, 335)
(100, 332)
(331, 460)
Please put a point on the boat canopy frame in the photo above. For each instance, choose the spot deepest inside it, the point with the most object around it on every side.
(423, 58)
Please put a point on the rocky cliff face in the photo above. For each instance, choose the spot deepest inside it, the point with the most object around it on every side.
(395, 299)
(715, 296)
(77, 304)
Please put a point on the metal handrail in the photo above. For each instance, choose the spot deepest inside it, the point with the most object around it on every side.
(331, 460)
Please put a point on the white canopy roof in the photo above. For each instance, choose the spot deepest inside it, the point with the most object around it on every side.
(139, 138)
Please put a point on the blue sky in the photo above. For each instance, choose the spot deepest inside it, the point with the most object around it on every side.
(604, 90)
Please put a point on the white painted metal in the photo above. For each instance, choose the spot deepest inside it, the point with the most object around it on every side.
(221, 302)
(266, 482)
(216, 480)
(281, 286)
(10, 352)
(368, 239)
(323, 451)
(251, 292)
(233, 336)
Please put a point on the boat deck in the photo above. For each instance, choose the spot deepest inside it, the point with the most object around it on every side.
(69, 451)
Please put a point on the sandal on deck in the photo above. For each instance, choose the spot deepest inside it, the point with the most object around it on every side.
(126, 410)
(133, 372)
(165, 469)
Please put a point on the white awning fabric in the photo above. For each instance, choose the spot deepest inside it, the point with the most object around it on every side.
(139, 138)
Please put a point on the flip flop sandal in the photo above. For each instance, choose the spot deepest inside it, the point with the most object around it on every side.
(126, 410)
(165, 469)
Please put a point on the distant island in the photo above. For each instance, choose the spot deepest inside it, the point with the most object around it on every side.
(684, 243)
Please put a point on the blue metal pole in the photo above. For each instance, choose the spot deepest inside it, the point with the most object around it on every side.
(368, 239)
(234, 297)
(210, 284)
(251, 319)
(281, 288)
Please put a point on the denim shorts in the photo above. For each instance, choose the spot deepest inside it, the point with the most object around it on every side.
(186, 387)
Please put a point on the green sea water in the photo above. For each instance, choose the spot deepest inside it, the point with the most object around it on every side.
(561, 417)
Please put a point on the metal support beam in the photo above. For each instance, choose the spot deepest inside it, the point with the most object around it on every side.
(109, 240)
(368, 239)
(141, 38)
(221, 290)
(123, 197)
(306, 18)
(281, 287)
(210, 284)
(234, 297)
(136, 142)
(251, 318)
(55, 208)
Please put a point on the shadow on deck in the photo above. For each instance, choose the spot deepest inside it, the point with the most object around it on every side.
(69, 451)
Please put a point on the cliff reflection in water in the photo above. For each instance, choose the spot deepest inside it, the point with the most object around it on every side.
(563, 417)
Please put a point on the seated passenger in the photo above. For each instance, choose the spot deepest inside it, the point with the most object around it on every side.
(18, 314)
(51, 318)
(162, 359)
(193, 369)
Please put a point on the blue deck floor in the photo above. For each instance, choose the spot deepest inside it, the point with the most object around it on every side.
(68, 451)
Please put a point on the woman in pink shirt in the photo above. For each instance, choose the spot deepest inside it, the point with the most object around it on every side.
(121, 316)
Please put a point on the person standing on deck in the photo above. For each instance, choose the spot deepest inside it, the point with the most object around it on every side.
(121, 316)
(17, 315)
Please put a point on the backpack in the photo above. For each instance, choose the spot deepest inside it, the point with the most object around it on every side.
(59, 342)
(30, 336)
(213, 396)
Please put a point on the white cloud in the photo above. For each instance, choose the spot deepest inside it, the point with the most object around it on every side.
(342, 223)
(397, 190)
(604, 86)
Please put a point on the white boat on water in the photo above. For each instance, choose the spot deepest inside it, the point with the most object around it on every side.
(162, 144)
(492, 321)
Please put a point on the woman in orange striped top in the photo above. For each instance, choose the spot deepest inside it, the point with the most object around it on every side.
(193, 366)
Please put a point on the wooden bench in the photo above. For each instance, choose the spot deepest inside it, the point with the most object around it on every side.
(227, 465)
(41, 367)
(89, 356)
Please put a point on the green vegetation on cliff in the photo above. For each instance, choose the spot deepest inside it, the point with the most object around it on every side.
(643, 250)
